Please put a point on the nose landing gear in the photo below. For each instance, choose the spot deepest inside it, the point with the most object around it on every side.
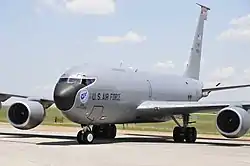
(87, 135)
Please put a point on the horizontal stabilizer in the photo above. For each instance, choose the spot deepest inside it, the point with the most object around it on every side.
(202, 6)
(225, 87)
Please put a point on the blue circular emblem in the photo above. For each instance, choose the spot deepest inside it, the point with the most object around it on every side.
(84, 95)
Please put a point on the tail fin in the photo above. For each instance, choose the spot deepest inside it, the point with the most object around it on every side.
(193, 66)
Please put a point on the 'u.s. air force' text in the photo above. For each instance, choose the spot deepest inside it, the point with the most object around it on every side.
(105, 96)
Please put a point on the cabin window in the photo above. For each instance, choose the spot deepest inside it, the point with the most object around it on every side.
(87, 81)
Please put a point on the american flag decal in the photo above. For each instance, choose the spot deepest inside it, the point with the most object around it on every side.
(204, 13)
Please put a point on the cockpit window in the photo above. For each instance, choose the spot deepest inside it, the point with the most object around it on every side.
(84, 81)
(63, 80)
(87, 82)
(74, 80)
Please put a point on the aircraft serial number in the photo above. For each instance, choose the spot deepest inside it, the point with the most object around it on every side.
(105, 96)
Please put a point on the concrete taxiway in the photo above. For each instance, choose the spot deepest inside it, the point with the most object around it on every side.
(48, 147)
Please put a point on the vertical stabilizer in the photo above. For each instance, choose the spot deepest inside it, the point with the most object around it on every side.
(193, 66)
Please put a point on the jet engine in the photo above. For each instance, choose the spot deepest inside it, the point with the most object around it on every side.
(233, 121)
(26, 115)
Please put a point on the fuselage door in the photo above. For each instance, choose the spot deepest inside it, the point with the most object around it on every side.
(96, 113)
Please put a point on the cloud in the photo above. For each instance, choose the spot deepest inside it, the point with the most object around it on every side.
(222, 74)
(163, 67)
(240, 29)
(235, 34)
(91, 6)
(128, 37)
(241, 21)
(83, 7)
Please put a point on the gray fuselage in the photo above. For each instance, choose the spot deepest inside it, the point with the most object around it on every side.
(116, 93)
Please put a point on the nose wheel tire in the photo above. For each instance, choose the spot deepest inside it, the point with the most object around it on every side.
(85, 137)
(189, 134)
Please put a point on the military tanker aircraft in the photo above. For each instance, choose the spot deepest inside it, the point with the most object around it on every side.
(98, 98)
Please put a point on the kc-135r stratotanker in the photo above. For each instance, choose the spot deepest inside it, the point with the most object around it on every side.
(98, 98)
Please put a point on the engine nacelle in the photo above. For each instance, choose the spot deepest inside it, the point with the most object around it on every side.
(233, 121)
(26, 115)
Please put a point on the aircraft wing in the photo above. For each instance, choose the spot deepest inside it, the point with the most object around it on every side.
(177, 108)
(46, 102)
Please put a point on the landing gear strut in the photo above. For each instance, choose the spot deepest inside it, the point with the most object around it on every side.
(184, 133)
(87, 135)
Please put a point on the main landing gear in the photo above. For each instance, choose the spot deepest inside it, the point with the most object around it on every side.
(87, 134)
(184, 133)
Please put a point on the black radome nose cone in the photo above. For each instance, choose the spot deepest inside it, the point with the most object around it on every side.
(64, 96)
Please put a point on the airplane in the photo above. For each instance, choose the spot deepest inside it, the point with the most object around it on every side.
(99, 97)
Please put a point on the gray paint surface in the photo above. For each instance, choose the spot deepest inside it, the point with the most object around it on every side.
(133, 88)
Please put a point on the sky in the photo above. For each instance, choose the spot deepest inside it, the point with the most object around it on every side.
(40, 39)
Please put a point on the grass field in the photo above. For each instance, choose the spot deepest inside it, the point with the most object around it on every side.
(205, 123)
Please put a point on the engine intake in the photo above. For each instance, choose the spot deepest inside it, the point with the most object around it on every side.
(233, 122)
(26, 115)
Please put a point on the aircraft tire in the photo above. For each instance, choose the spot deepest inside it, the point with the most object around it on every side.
(190, 134)
(79, 137)
(97, 131)
(85, 137)
(100, 131)
(178, 134)
(104, 131)
(88, 137)
(111, 131)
